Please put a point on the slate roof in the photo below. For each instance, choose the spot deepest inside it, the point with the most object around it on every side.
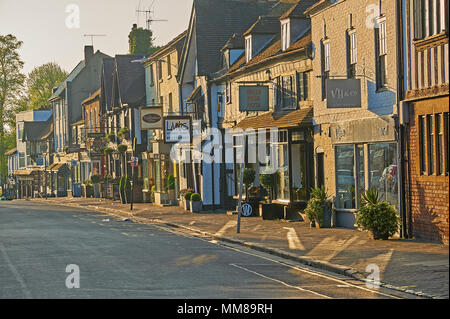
(92, 97)
(264, 25)
(236, 41)
(69, 78)
(287, 119)
(178, 40)
(107, 79)
(130, 79)
(298, 10)
(272, 50)
(36, 131)
(215, 22)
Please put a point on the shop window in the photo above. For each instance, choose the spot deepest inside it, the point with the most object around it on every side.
(347, 190)
(299, 177)
(282, 180)
(383, 171)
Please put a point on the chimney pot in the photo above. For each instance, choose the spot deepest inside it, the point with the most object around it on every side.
(88, 52)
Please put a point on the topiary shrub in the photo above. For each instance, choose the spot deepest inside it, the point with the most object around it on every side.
(188, 195)
(268, 181)
(195, 197)
(378, 217)
(248, 179)
(122, 148)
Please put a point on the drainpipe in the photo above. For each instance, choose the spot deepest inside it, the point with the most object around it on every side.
(398, 124)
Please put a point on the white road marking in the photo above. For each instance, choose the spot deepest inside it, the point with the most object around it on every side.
(281, 282)
(224, 228)
(16, 274)
(293, 240)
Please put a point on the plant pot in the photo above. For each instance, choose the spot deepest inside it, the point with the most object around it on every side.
(326, 217)
(271, 212)
(196, 207)
(187, 204)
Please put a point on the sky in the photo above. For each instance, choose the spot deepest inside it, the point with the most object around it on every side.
(53, 30)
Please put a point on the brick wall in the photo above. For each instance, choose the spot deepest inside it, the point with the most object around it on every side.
(429, 199)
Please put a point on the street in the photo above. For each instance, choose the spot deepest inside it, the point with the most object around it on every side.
(128, 260)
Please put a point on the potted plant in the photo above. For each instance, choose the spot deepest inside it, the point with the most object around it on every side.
(171, 188)
(196, 203)
(187, 200)
(318, 209)
(96, 180)
(152, 193)
(89, 188)
(378, 217)
(122, 148)
(269, 211)
(124, 133)
(248, 179)
(111, 137)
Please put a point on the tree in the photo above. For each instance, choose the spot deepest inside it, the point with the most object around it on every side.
(141, 42)
(11, 85)
(40, 83)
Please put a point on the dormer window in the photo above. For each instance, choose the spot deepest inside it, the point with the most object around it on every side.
(248, 48)
(285, 35)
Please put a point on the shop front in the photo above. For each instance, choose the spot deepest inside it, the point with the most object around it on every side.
(361, 155)
(289, 157)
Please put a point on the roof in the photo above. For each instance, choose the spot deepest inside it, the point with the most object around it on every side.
(11, 152)
(55, 167)
(272, 50)
(178, 40)
(81, 122)
(36, 131)
(264, 25)
(72, 75)
(107, 79)
(278, 120)
(129, 77)
(298, 10)
(92, 97)
(215, 22)
(236, 41)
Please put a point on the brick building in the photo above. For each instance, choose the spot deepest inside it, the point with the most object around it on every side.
(427, 106)
(354, 91)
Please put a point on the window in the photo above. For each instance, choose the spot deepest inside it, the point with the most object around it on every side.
(433, 144)
(248, 48)
(228, 93)
(325, 55)
(302, 86)
(169, 66)
(160, 75)
(352, 56)
(170, 103)
(383, 171)
(381, 54)
(285, 35)
(430, 17)
(285, 92)
(20, 131)
(22, 160)
(430, 143)
(152, 79)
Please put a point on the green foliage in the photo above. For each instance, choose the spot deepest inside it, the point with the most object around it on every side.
(122, 148)
(122, 183)
(195, 197)
(111, 137)
(141, 42)
(267, 180)
(315, 209)
(87, 183)
(188, 195)
(108, 151)
(11, 93)
(171, 182)
(124, 133)
(152, 194)
(40, 83)
(379, 217)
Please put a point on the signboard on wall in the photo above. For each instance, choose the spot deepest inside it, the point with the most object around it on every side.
(177, 129)
(151, 118)
(343, 93)
(254, 98)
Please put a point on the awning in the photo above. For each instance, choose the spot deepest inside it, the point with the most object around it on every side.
(26, 172)
(291, 119)
(194, 94)
(55, 167)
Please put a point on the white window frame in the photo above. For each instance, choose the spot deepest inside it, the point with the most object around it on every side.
(353, 47)
(382, 37)
(327, 55)
(285, 34)
(248, 48)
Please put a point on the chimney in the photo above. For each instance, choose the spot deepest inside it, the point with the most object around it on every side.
(88, 52)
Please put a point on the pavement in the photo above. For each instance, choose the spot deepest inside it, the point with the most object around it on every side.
(415, 267)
